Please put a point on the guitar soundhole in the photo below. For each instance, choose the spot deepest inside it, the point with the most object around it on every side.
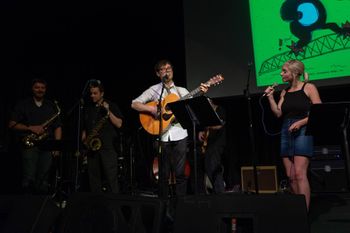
(166, 116)
(167, 108)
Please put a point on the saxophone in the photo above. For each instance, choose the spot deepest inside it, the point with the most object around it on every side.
(32, 139)
(93, 142)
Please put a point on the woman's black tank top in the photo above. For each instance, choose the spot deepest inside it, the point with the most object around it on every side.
(296, 104)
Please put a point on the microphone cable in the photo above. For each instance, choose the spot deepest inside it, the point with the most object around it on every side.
(263, 119)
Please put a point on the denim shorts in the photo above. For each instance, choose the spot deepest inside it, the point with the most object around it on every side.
(295, 143)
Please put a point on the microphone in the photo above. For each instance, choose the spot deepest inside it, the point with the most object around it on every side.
(94, 81)
(273, 87)
(165, 78)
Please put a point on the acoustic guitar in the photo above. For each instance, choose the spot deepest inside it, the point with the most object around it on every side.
(152, 124)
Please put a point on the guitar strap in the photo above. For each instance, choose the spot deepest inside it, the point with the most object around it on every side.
(167, 89)
(177, 91)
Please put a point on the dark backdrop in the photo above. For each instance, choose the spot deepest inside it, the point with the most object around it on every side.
(70, 42)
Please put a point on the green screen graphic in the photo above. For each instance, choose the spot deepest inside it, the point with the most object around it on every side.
(315, 32)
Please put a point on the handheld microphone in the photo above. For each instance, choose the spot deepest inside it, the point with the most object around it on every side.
(273, 87)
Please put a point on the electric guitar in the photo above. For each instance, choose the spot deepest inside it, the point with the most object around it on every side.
(152, 124)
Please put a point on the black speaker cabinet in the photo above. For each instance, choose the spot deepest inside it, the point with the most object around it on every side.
(257, 213)
(90, 212)
(28, 213)
(328, 176)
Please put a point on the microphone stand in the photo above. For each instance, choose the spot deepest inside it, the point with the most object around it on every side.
(251, 131)
(162, 185)
(80, 105)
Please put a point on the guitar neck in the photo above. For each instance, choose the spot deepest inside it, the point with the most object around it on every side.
(192, 93)
(197, 91)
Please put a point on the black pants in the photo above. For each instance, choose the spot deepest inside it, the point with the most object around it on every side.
(214, 168)
(103, 164)
(36, 166)
(174, 160)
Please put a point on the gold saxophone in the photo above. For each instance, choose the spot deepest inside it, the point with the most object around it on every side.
(93, 142)
(32, 139)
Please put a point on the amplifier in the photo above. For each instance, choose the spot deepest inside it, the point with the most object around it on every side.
(266, 175)
(328, 176)
(327, 152)
(327, 172)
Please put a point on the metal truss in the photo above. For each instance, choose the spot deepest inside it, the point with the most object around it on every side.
(318, 47)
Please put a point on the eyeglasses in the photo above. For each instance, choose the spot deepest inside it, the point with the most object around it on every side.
(169, 68)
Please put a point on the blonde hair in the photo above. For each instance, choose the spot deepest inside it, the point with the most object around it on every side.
(298, 68)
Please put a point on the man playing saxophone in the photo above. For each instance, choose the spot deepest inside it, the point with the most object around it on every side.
(102, 119)
(36, 119)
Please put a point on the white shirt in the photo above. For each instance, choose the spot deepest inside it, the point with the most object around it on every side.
(175, 132)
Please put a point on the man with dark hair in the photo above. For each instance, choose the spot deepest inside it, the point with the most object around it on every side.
(102, 118)
(174, 136)
(36, 119)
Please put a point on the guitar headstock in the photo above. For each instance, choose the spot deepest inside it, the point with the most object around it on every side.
(215, 80)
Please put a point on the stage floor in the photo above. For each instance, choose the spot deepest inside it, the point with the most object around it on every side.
(143, 213)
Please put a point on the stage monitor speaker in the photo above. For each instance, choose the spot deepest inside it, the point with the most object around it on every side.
(263, 213)
(28, 214)
(92, 212)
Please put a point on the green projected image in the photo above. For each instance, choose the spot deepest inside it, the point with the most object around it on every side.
(315, 32)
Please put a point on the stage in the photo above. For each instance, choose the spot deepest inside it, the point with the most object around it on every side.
(251, 213)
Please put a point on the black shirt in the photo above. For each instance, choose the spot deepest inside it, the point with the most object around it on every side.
(217, 136)
(93, 115)
(296, 104)
(28, 113)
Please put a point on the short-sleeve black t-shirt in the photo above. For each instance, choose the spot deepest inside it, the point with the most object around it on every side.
(93, 114)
